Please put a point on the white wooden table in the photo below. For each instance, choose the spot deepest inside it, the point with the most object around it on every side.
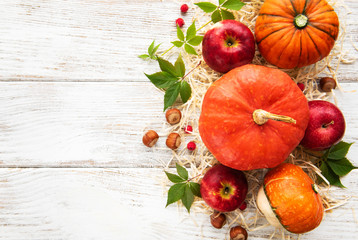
(73, 105)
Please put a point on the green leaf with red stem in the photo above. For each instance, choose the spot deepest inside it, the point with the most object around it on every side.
(207, 7)
(185, 91)
(233, 4)
(171, 95)
(180, 67)
(175, 193)
(226, 14)
(174, 178)
(195, 41)
(183, 173)
(329, 174)
(339, 150)
(189, 49)
(166, 66)
(195, 188)
(216, 16)
(180, 34)
(341, 167)
(188, 198)
(191, 31)
(162, 79)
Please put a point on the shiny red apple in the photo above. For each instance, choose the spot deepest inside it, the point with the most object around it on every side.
(223, 188)
(228, 44)
(326, 126)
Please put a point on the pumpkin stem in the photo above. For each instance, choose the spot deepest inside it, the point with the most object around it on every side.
(261, 117)
(300, 21)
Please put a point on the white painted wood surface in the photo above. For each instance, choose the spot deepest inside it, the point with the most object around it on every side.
(73, 106)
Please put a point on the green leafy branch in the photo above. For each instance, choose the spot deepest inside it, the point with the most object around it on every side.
(172, 80)
(221, 11)
(152, 50)
(334, 163)
(191, 39)
(183, 189)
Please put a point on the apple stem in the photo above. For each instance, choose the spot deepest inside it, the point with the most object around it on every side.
(327, 124)
(261, 117)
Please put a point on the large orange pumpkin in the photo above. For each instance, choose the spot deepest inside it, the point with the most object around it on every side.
(296, 33)
(234, 123)
(294, 198)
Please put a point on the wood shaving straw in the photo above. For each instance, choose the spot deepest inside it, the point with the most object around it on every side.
(201, 159)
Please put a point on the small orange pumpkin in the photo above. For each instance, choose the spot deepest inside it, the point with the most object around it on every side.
(296, 33)
(293, 198)
(253, 117)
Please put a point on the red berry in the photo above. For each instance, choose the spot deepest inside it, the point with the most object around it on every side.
(179, 22)
(243, 206)
(184, 8)
(191, 146)
(188, 129)
(301, 86)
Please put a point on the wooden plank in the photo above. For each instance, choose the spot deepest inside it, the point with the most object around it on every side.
(97, 124)
(120, 204)
(82, 40)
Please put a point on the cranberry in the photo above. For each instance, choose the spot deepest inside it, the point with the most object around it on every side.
(188, 129)
(191, 146)
(301, 86)
(243, 206)
(184, 8)
(179, 22)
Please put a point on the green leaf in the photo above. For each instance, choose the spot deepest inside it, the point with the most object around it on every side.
(175, 193)
(341, 167)
(178, 43)
(328, 173)
(185, 91)
(183, 173)
(144, 56)
(233, 4)
(188, 198)
(227, 15)
(171, 95)
(191, 32)
(166, 66)
(154, 51)
(179, 67)
(221, 2)
(207, 7)
(216, 16)
(162, 79)
(339, 150)
(189, 49)
(195, 188)
(195, 41)
(174, 178)
(151, 48)
(180, 33)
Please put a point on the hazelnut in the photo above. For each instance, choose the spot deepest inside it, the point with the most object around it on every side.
(327, 84)
(173, 116)
(150, 138)
(238, 233)
(218, 219)
(173, 141)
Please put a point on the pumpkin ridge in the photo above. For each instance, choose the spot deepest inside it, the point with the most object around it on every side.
(315, 26)
(315, 14)
(314, 43)
(305, 8)
(283, 28)
(272, 15)
(284, 48)
(293, 7)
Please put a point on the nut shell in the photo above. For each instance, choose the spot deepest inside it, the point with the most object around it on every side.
(173, 141)
(150, 138)
(173, 116)
(327, 84)
(238, 233)
(218, 219)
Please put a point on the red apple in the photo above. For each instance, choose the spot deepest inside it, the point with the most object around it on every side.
(326, 126)
(228, 44)
(223, 188)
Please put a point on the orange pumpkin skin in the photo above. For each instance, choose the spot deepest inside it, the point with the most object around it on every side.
(291, 194)
(287, 45)
(226, 122)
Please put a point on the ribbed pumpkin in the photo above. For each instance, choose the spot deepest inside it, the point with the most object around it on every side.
(296, 33)
(293, 198)
(253, 117)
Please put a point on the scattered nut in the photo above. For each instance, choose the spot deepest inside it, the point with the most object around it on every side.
(173, 116)
(150, 138)
(327, 84)
(238, 233)
(173, 141)
(218, 219)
